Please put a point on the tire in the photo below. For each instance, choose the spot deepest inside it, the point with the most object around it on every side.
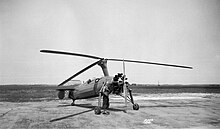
(97, 110)
(135, 106)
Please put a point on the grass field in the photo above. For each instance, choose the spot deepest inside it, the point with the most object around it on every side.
(26, 93)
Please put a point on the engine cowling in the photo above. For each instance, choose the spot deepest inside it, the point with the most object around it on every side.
(61, 94)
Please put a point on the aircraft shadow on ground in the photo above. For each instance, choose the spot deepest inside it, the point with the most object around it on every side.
(88, 106)
(65, 117)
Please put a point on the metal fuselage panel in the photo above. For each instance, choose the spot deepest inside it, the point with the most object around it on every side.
(90, 89)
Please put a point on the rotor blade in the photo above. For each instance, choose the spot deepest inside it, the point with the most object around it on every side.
(81, 71)
(95, 57)
(153, 63)
(70, 53)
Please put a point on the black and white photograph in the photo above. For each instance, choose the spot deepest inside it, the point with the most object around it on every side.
(109, 64)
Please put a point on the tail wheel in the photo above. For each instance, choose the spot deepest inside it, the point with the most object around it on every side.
(135, 106)
(73, 103)
(97, 110)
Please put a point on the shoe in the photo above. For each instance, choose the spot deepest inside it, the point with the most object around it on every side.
(105, 112)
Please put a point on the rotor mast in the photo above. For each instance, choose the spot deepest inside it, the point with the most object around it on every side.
(103, 65)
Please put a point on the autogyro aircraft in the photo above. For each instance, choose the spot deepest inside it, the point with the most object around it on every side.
(103, 86)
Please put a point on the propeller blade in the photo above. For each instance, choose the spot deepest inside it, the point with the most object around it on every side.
(81, 71)
(70, 53)
(153, 63)
(124, 86)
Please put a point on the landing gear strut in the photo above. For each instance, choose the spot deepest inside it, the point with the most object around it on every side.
(73, 103)
(135, 105)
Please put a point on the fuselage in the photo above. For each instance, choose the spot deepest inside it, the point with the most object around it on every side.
(90, 88)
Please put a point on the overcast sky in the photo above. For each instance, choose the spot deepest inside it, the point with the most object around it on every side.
(185, 32)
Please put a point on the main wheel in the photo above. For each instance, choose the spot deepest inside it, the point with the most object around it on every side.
(97, 110)
(135, 106)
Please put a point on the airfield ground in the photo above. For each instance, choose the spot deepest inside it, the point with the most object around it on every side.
(159, 110)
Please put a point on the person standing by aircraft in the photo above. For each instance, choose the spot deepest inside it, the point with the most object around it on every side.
(105, 92)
